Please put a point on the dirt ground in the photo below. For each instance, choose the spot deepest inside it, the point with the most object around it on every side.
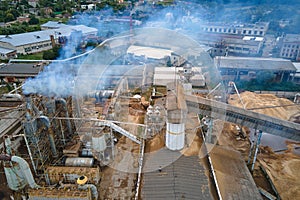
(283, 168)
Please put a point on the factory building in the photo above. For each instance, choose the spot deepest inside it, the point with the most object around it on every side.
(244, 68)
(38, 41)
(258, 29)
(290, 47)
(233, 39)
(223, 45)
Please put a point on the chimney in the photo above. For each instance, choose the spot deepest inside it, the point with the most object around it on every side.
(52, 41)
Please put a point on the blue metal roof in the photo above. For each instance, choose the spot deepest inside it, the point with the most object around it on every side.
(42, 36)
(53, 24)
(6, 51)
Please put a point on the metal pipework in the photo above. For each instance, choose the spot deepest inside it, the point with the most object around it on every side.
(25, 169)
(64, 103)
(79, 161)
(92, 187)
(28, 107)
(17, 96)
(45, 120)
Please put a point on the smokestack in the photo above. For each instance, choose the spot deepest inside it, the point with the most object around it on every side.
(52, 41)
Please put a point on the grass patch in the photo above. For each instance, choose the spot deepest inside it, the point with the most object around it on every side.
(36, 56)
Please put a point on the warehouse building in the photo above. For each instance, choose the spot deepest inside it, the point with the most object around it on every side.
(38, 41)
(245, 68)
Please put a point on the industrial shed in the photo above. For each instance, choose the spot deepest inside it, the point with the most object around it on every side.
(246, 68)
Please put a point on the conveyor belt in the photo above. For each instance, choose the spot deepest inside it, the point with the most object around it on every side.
(226, 112)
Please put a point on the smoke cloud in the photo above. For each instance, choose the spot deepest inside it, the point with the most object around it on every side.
(58, 79)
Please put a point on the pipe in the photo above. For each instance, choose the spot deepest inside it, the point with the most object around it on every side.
(79, 161)
(17, 96)
(296, 98)
(64, 103)
(256, 149)
(26, 171)
(45, 120)
(92, 187)
(5, 157)
(29, 151)
(28, 107)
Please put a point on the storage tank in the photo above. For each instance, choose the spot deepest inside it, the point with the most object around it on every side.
(99, 142)
(175, 136)
(79, 162)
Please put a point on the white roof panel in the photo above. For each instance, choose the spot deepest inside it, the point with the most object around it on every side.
(41, 36)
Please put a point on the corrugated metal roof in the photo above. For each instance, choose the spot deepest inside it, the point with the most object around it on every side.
(276, 64)
(6, 51)
(41, 36)
(53, 24)
(16, 68)
(182, 178)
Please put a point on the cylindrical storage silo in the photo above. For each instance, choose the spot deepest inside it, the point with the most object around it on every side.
(187, 88)
(79, 162)
(175, 136)
(99, 143)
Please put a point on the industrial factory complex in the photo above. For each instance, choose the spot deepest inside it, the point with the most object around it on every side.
(139, 117)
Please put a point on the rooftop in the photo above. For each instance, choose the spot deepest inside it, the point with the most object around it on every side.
(41, 36)
(6, 51)
(292, 38)
(184, 178)
(255, 63)
(149, 52)
(19, 69)
(53, 24)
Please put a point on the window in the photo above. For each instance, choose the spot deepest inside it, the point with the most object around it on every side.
(215, 29)
(210, 29)
(261, 33)
(220, 30)
(234, 31)
(225, 30)
(27, 49)
(255, 32)
(244, 31)
(249, 32)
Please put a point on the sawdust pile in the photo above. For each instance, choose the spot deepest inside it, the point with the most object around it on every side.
(231, 137)
(283, 169)
(156, 143)
(253, 101)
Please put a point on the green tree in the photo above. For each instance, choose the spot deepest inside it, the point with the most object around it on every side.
(33, 20)
(9, 17)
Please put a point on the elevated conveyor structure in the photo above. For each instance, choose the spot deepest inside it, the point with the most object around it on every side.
(265, 123)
